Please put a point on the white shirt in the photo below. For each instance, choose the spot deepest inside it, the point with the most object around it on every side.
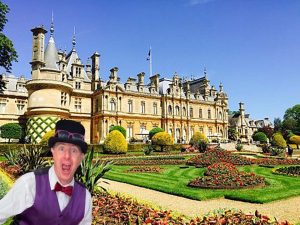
(21, 196)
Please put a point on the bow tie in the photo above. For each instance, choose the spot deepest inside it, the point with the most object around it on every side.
(67, 190)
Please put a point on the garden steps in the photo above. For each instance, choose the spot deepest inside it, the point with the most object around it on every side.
(287, 209)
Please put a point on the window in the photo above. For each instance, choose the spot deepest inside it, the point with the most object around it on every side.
(143, 107)
(155, 108)
(201, 130)
(210, 131)
(20, 106)
(209, 114)
(112, 105)
(220, 115)
(177, 110)
(130, 106)
(191, 112)
(170, 110)
(200, 113)
(77, 85)
(184, 111)
(77, 72)
(63, 99)
(77, 104)
(2, 105)
(129, 132)
(142, 129)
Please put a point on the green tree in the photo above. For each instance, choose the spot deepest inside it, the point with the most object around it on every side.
(260, 136)
(292, 119)
(277, 124)
(232, 134)
(115, 143)
(197, 137)
(278, 140)
(7, 52)
(267, 130)
(11, 131)
(163, 140)
(119, 128)
(154, 131)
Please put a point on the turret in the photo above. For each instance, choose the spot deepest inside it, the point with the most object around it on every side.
(95, 70)
(38, 47)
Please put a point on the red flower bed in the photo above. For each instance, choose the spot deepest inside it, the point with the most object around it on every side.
(217, 155)
(226, 176)
(13, 171)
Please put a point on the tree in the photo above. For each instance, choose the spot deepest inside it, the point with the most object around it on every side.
(277, 124)
(115, 143)
(267, 130)
(260, 136)
(232, 134)
(119, 128)
(292, 119)
(162, 139)
(154, 131)
(296, 140)
(11, 131)
(278, 140)
(7, 52)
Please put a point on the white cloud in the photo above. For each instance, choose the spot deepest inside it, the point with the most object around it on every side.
(198, 2)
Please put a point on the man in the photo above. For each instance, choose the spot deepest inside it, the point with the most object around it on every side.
(52, 196)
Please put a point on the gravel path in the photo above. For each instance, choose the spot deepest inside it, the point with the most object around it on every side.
(288, 209)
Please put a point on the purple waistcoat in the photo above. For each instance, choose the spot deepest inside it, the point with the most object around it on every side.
(45, 209)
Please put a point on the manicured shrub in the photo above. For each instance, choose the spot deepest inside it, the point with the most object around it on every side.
(295, 139)
(163, 140)
(278, 140)
(260, 136)
(137, 147)
(11, 131)
(45, 138)
(115, 143)
(119, 128)
(239, 147)
(197, 137)
(155, 131)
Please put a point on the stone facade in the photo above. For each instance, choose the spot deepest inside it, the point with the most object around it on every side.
(245, 126)
(62, 87)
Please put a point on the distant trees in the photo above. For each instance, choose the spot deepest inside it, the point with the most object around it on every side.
(7, 52)
(11, 131)
(291, 119)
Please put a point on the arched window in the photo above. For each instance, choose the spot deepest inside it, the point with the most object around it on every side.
(112, 105)
(170, 110)
(200, 113)
(177, 110)
(220, 115)
(183, 111)
(130, 105)
(191, 112)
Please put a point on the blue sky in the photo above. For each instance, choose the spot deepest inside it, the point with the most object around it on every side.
(251, 46)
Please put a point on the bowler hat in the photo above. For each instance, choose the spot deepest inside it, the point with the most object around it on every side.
(69, 131)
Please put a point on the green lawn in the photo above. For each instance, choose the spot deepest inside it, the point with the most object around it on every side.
(174, 180)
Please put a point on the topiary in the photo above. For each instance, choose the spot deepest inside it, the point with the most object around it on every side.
(119, 128)
(295, 139)
(47, 135)
(155, 131)
(260, 136)
(278, 140)
(197, 137)
(115, 143)
(163, 140)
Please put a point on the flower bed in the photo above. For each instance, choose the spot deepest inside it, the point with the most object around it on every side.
(153, 160)
(226, 176)
(274, 161)
(216, 155)
(291, 171)
(145, 169)
(109, 209)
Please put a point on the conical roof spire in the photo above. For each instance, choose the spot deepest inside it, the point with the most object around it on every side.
(51, 56)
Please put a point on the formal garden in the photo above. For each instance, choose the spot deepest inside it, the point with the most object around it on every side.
(199, 170)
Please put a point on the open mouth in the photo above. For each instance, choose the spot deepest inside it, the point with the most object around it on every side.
(66, 168)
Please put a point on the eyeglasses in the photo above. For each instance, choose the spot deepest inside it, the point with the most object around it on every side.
(69, 135)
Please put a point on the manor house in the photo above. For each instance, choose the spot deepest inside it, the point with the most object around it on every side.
(62, 87)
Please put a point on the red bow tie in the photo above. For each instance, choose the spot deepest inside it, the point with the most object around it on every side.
(67, 190)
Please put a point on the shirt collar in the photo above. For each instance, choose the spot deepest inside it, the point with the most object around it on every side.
(53, 179)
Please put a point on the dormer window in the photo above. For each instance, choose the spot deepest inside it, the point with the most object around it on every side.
(77, 85)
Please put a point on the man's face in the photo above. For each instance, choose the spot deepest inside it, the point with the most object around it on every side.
(67, 157)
